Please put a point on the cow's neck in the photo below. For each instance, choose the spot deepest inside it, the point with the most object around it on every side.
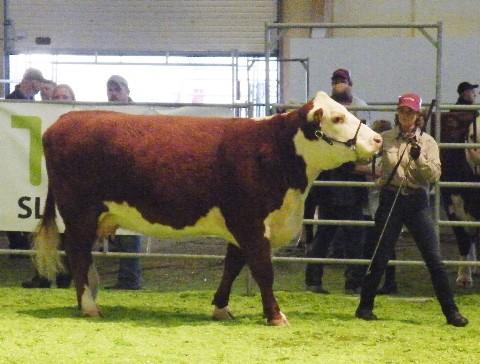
(320, 156)
(304, 156)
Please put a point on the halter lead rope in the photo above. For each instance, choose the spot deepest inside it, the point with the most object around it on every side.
(387, 220)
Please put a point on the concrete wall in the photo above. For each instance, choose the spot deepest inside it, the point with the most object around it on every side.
(384, 68)
(461, 17)
(387, 62)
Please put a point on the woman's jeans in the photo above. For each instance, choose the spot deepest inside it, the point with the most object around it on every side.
(412, 210)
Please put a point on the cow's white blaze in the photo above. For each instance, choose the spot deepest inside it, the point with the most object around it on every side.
(320, 156)
(89, 307)
(285, 223)
(128, 217)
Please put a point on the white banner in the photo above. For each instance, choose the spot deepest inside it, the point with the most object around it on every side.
(23, 176)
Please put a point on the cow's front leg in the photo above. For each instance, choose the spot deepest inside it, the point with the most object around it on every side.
(234, 262)
(260, 263)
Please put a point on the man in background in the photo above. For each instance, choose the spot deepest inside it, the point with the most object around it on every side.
(30, 85)
(117, 90)
(466, 93)
(342, 93)
(339, 203)
(129, 272)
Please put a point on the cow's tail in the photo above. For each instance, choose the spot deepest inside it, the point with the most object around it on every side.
(46, 241)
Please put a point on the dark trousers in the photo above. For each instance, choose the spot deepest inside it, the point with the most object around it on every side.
(354, 237)
(18, 240)
(371, 239)
(464, 240)
(129, 272)
(413, 211)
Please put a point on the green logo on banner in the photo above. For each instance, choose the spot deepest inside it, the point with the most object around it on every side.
(34, 125)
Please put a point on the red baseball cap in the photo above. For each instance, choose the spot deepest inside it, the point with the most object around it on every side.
(410, 100)
(342, 74)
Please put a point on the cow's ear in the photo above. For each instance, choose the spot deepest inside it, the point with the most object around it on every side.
(311, 127)
(305, 109)
(317, 116)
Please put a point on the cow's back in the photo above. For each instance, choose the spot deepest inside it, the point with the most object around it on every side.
(96, 156)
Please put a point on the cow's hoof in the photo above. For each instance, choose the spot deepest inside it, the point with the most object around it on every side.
(280, 321)
(93, 312)
(222, 314)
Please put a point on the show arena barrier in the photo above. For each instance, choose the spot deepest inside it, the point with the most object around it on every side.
(24, 175)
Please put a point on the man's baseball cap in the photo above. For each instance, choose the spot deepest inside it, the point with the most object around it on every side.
(342, 74)
(119, 80)
(410, 100)
(464, 86)
(32, 74)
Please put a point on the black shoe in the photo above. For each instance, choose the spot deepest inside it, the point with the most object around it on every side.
(388, 289)
(318, 288)
(456, 319)
(37, 282)
(365, 314)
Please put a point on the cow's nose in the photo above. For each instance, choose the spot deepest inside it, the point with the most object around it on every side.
(377, 139)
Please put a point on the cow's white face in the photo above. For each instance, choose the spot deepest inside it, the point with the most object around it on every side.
(338, 124)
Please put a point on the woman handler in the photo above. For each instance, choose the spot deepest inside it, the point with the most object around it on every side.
(419, 166)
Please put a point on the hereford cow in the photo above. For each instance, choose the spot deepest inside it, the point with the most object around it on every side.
(243, 180)
(466, 205)
(462, 166)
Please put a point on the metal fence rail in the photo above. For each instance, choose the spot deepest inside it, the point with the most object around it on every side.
(437, 43)
(327, 261)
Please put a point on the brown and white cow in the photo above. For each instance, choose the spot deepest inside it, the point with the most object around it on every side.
(466, 203)
(169, 176)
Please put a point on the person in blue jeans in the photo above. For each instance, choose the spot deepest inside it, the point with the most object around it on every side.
(419, 166)
(129, 272)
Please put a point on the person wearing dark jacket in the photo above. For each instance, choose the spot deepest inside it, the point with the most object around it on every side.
(338, 203)
(129, 273)
(30, 85)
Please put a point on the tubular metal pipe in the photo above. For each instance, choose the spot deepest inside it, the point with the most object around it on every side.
(459, 223)
(438, 101)
(331, 261)
(339, 222)
(386, 106)
(458, 145)
(346, 25)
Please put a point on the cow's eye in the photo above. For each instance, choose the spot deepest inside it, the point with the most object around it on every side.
(338, 119)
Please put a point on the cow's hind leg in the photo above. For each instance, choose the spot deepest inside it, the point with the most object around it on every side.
(260, 262)
(234, 262)
(79, 240)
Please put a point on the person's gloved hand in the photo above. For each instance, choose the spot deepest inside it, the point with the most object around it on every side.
(415, 150)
